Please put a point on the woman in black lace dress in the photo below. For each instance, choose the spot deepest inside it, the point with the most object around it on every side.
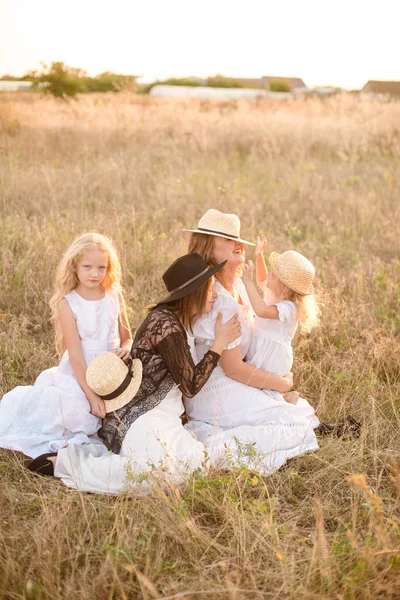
(147, 433)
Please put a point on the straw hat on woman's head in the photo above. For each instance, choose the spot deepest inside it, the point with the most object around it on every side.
(294, 270)
(215, 222)
(116, 382)
(186, 274)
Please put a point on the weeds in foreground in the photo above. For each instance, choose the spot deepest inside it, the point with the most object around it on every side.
(318, 176)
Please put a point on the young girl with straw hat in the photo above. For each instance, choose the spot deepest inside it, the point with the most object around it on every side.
(288, 302)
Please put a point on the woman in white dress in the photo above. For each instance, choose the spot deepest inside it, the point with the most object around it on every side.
(241, 406)
(146, 434)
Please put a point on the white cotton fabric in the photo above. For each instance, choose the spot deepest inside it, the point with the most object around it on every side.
(155, 446)
(240, 424)
(271, 345)
(54, 411)
(203, 329)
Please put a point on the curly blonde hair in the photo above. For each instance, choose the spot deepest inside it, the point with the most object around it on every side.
(307, 307)
(66, 279)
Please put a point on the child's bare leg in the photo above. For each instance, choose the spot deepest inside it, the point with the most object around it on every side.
(292, 397)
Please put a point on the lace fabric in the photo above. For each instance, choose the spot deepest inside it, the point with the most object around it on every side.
(162, 346)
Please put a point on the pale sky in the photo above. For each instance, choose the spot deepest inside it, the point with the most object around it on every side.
(340, 42)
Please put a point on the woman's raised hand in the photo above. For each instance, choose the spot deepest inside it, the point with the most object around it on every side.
(227, 333)
(261, 244)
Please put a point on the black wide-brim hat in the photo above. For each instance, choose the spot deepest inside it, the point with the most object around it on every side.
(186, 274)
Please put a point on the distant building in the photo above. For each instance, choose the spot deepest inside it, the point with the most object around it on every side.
(263, 83)
(382, 87)
(293, 82)
(251, 83)
(14, 86)
(321, 91)
(183, 91)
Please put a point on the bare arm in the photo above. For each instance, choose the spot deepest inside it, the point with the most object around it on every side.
(258, 304)
(261, 267)
(125, 334)
(261, 270)
(234, 367)
(260, 308)
(76, 358)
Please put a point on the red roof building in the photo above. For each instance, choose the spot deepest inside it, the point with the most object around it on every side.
(382, 87)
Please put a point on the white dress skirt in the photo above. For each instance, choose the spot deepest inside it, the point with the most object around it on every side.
(54, 412)
(155, 446)
(241, 425)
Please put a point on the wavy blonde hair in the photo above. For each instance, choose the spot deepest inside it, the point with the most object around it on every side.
(66, 279)
(307, 307)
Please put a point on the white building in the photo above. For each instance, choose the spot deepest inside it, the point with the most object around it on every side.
(15, 86)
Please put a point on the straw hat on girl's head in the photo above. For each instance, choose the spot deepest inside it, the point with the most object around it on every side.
(214, 222)
(113, 380)
(294, 270)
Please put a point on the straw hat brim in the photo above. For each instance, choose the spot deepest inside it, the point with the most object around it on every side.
(222, 235)
(127, 395)
(282, 276)
(105, 367)
(193, 286)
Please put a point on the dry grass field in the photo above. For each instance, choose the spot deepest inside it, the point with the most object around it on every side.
(322, 177)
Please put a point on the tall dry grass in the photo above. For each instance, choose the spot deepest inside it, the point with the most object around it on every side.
(318, 176)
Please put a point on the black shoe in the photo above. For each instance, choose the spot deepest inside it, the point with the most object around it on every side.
(351, 428)
(42, 465)
(326, 428)
(347, 428)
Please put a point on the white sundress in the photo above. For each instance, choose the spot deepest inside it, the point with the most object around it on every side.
(155, 448)
(54, 411)
(271, 344)
(257, 428)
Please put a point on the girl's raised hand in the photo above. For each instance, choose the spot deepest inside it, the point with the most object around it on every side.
(97, 406)
(247, 274)
(123, 353)
(261, 244)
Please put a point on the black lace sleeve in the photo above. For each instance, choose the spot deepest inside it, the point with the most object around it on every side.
(176, 356)
(161, 344)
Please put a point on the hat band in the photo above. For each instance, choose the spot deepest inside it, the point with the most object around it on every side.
(189, 281)
(218, 232)
(121, 388)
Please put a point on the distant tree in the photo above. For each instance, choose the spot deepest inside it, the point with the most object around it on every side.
(280, 86)
(220, 81)
(7, 77)
(110, 82)
(59, 80)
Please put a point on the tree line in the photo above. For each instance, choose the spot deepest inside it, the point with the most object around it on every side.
(62, 81)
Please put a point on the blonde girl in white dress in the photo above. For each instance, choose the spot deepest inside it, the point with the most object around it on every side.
(288, 302)
(90, 318)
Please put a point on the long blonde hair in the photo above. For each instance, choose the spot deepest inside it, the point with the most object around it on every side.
(307, 307)
(66, 279)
